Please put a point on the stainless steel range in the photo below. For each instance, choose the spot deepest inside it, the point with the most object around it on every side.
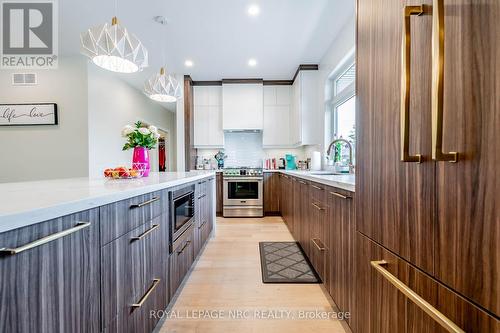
(243, 192)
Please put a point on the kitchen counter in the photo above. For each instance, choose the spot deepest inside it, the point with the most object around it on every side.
(346, 182)
(27, 203)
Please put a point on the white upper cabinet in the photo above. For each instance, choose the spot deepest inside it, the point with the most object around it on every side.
(306, 117)
(208, 131)
(242, 106)
(277, 101)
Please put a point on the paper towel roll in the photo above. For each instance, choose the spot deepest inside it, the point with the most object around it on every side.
(316, 161)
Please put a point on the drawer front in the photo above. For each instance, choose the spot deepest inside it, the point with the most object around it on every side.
(318, 243)
(318, 193)
(119, 218)
(130, 264)
(51, 285)
(383, 297)
(181, 259)
(140, 320)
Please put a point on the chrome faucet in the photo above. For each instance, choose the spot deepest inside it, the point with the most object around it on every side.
(349, 145)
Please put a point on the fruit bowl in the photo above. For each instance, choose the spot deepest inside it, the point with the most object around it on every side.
(136, 171)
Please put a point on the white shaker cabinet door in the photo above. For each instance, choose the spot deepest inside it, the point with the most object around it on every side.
(243, 106)
(276, 131)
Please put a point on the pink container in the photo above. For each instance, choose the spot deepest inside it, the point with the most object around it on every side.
(141, 156)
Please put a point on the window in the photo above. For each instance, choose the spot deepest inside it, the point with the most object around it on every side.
(340, 115)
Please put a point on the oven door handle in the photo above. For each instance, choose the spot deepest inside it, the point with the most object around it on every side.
(244, 179)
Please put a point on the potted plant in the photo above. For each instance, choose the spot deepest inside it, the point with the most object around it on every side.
(142, 139)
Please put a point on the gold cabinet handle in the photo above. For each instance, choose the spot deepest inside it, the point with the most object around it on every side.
(321, 248)
(316, 206)
(145, 233)
(437, 84)
(440, 318)
(340, 195)
(184, 247)
(302, 182)
(146, 295)
(405, 83)
(317, 187)
(44, 240)
(144, 203)
(201, 225)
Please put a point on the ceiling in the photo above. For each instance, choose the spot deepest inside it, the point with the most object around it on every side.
(217, 35)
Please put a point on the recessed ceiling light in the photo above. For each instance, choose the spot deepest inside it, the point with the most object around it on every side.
(188, 63)
(253, 10)
(252, 62)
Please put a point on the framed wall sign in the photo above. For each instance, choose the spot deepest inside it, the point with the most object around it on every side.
(28, 114)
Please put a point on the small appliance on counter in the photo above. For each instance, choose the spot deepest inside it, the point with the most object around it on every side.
(290, 162)
(282, 164)
(315, 161)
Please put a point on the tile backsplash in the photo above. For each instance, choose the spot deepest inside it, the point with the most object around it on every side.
(245, 149)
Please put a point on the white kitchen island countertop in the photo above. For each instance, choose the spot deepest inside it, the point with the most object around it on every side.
(26, 203)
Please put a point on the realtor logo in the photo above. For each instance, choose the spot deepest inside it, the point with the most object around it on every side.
(29, 34)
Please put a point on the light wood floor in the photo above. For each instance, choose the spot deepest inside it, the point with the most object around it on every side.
(227, 277)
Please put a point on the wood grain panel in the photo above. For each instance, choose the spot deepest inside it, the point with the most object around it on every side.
(190, 151)
(380, 307)
(271, 193)
(468, 223)
(219, 199)
(340, 247)
(395, 199)
(120, 217)
(129, 266)
(53, 287)
(181, 259)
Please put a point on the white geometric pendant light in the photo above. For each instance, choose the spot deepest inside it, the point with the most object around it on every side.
(113, 48)
(162, 87)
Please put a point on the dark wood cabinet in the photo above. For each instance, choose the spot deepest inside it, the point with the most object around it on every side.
(219, 194)
(120, 217)
(318, 229)
(304, 215)
(385, 308)
(131, 266)
(340, 248)
(396, 199)
(286, 198)
(54, 286)
(271, 193)
(107, 269)
(468, 192)
(181, 258)
(439, 216)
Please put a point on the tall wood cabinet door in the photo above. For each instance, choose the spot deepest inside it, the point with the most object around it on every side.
(51, 287)
(395, 199)
(271, 193)
(468, 192)
(296, 210)
(341, 248)
(380, 307)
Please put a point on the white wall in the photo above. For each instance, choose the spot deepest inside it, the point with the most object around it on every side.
(47, 152)
(340, 49)
(113, 104)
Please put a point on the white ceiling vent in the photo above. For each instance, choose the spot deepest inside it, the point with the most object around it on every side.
(24, 79)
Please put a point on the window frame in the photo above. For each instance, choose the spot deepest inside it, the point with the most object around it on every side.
(339, 98)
